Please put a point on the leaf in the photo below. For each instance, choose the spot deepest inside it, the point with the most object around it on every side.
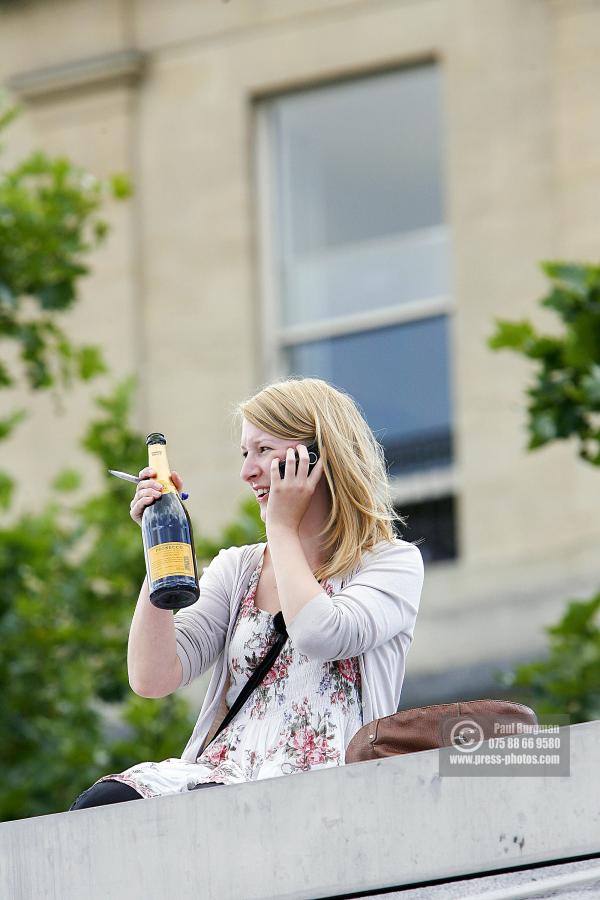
(90, 362)
(548, 349)
(67, 480)
(512, 335)
(8, 116)
(7, 486)
(572, 276)
(100, 230)
(590, 384)
(121, 186)
(579, 617)
(543, 428)
(5, 378)
(8, 423)
(56, 296)
(582, 344)
(563, 302)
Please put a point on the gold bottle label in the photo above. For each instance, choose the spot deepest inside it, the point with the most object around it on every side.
(157, 459)
(174, 558)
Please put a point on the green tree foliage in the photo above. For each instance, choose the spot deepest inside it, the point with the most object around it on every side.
(567, 681)
(71, 573)
(50, 222)
(564, 403)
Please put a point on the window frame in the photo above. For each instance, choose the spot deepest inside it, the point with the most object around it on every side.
(274, 338)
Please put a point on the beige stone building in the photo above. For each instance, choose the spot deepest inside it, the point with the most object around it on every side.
(353, 189)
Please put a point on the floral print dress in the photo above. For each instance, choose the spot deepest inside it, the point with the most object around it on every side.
(301, 717)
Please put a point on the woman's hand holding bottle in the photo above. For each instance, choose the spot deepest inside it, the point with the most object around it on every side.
(147, 491)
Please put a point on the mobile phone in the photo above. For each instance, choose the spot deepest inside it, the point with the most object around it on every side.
(313, 455)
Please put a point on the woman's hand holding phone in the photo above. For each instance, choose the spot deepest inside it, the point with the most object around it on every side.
(313, 455)
(293, 483)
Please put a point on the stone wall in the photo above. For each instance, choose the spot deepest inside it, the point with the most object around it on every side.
(174, 293)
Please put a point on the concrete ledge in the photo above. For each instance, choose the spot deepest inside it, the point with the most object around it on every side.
(124, 67)
(327, 833)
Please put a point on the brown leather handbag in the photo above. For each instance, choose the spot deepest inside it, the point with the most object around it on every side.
(431, 727)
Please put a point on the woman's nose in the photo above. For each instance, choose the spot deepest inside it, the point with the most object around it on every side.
(248, 470)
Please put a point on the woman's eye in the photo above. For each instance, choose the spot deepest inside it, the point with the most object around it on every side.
(245, 452)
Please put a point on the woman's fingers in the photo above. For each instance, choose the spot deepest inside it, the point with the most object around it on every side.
(146, 492)
(303, 460)
(177, 480)
(297, 460)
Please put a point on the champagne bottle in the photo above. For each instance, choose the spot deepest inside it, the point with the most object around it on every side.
(168, 538)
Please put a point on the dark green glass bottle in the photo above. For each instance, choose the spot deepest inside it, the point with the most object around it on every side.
(168, 538)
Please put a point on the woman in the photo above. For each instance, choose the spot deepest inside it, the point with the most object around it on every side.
(348, 590)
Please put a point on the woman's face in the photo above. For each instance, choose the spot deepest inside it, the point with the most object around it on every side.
(258, 449)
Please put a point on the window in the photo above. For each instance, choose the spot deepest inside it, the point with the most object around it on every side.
(432, 520)
(355, 267)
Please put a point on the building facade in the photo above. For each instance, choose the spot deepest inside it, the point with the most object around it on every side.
(350, 189)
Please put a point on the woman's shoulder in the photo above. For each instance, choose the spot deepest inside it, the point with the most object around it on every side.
(392, 555)
(398, 546)
(234, 557)
(385, 558)
(242, 549)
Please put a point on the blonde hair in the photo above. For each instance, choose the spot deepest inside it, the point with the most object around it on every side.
(362, 513)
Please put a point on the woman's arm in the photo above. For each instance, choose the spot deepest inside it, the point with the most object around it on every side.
(296, 584)
(165, 651)
(152, 664)
(168, 651)
(289, 499)
(201, 629)
(378, 603)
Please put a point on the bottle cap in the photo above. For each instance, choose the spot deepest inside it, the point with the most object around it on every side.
(156, 438)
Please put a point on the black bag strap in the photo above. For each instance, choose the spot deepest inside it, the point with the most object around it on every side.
(257, 675)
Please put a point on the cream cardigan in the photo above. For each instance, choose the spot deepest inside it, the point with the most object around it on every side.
(370, 615)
